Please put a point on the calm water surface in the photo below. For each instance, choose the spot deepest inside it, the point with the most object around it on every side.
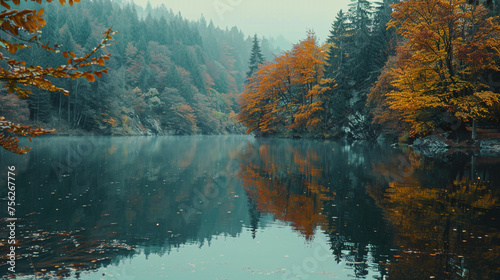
(235, 207)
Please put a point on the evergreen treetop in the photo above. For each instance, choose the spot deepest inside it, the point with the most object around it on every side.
(256, 57)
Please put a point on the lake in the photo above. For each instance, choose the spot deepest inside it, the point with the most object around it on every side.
(237, 207)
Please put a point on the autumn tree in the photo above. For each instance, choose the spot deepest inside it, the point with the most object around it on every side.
(448, 46)
(253, 105)
(383, 115)
(288, 95)
(23, 28)
(308, 65)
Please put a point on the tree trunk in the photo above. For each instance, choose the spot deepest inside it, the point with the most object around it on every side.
(75, 104)
(37, 106)
(474, 132)
(69, 109)
(473, 168)
(60, 100)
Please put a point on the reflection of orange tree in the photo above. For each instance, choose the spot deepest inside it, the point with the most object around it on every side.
(292, 192)
(445, 232)
(400, 168)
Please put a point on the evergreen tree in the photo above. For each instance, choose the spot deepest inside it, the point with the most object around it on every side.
(362, 52)
(383, 39)
(337, 65)
(339, 41)
(256, 57)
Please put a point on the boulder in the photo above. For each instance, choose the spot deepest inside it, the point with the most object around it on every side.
(490, 147)
(431, 146)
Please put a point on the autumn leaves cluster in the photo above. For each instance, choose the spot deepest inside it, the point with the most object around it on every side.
(288, 94)
(438, 77)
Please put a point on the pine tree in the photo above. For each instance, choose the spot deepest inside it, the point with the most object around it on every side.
(383, 39)
(361, 24)
(256, 57)
(337, 65)
(338, 52)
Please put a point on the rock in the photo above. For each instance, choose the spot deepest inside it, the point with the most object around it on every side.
(357, 127)
(490, 147)
(153, 126)
(431, 146)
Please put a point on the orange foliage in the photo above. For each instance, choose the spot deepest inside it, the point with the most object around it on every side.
(11, 142)
(111, 121)
(377, 99)
(448, 45)
(287, 94)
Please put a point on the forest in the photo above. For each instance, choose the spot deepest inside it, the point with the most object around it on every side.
(166, 74)
(399, 69)
(405, 69)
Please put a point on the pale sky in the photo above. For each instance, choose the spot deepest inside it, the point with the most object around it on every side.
(290, 18)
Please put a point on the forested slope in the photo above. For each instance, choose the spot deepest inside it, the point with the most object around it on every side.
(167, 75)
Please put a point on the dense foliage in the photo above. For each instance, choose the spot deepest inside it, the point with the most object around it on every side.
(287, 95)
(329, 100)
(407, 68)
(438, 78)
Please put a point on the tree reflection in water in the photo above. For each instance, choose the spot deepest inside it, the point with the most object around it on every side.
(383, 210)
(444, 217)
(439, 216)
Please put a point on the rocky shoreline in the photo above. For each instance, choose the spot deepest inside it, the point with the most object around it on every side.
(438, 145)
